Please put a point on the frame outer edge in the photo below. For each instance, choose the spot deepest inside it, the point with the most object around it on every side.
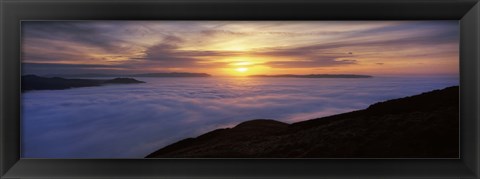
(2, 172)
(476, 17)
(476, 9)
(3, 167)
(231, 1)
(477, 172)
(8, 47)
(470, 60)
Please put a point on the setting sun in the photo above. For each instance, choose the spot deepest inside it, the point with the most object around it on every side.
(242, 70)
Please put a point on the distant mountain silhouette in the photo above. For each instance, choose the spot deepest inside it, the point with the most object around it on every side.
(173, 74)
(121, 81)
(314, 76)
(420, 126)
(33, 82)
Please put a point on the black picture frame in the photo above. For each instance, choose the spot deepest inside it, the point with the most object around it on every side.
(14, 11)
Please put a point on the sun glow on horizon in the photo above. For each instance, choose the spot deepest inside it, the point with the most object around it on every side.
(242, 69)
(233, 48)
(242, 63)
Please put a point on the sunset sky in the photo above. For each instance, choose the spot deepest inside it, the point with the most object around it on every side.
(241, 48)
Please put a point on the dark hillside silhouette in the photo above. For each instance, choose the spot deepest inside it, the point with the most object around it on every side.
(420, 126)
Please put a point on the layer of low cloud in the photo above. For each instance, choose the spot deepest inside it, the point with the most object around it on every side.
(130, 121)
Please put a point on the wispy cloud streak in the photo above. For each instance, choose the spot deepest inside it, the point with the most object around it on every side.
(200, 45)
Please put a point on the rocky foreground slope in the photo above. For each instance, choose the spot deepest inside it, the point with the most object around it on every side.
(420, 126)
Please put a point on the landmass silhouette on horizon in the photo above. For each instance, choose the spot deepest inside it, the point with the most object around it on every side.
(314, 76)
(33, 82)
(67, 81)
(188, 74)
(169, 74)
(419, 126)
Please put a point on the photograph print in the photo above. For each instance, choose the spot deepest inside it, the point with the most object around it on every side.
(240, 89)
